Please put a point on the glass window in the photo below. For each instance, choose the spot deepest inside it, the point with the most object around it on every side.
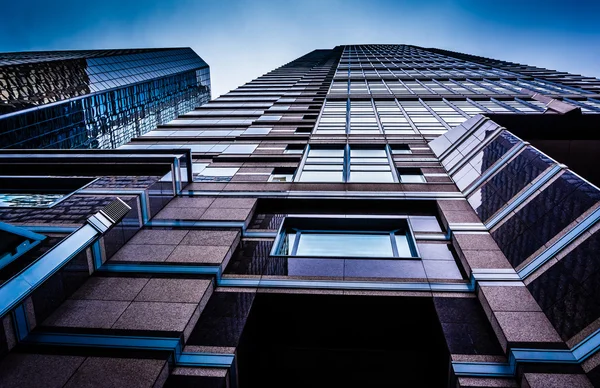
(257, 131)
(343, 244)
(323, 165)
(345, 237)
(412, 178)
(370, 165)
(215, 174)
(370, 176)
(294, 149)
(319, 152)
(269, 118)
(240, 149)
(282, 174)
(360, 165)
(399, 149)
(322, 176)
(411, 175)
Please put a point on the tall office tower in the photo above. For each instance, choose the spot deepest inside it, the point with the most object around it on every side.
(374, 215)
(95, 98)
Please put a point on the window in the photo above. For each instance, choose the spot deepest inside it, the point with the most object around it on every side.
(240, 149)
(323, 165)
(294, 149)
(349, 164)
(215, 174)
(269, 118)
(303, 130)
(345, 237)
(411, 175)
(257, 131)
(282, 174)
(370, 165)
(400, 149)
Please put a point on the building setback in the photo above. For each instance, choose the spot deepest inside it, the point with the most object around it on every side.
(368, 215)
(95, 98)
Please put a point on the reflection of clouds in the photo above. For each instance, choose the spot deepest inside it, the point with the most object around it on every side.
(475, 199)
(477, 162)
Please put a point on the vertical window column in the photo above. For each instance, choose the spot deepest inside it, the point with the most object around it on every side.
(370, 165)
(333, 119)
(362, 118)
(323, 165)
(392, 118)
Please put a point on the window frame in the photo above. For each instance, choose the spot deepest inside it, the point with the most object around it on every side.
(392, 226)
(30, 241)
(346, 162)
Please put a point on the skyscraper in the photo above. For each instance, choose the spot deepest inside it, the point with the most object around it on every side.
(368, 215)
(95, 98)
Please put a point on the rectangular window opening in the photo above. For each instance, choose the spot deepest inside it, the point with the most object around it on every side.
(282, 174)
(385, 238)
(399, 149)
(411, 175)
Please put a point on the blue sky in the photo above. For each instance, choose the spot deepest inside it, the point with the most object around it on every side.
(242, 39)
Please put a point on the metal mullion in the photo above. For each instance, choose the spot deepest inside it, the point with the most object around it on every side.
(554, 87)
(536, 88)
(376, 116)
(537, 108)
(483, 86)
(495, 82)
(530, 192)
(444, 124)
(425, 86)
(456, 108)
(485, 109)
(512, 109)
(406, 87)
(386, 85)
(394, 171)
(497, 166)
(394, 245)
(407, 117)
(444, 86)
(302, 163)
(347, 163)
(348, 110)
(464, 86)
(296, 242)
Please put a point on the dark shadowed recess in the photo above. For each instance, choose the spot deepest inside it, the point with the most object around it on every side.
(342, 341)
(573, 140)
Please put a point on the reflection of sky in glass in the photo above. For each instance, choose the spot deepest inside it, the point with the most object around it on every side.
(403, 247)
(336, 244)
(288, 243)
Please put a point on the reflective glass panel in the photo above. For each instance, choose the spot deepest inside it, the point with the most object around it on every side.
(354, 244)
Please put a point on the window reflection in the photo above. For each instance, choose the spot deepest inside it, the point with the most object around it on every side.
(331, 237)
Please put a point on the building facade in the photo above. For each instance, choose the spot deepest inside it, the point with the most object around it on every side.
(367, 215)
(95, 98)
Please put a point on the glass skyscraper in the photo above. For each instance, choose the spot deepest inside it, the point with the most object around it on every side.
(95, 98)
(366, 215)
